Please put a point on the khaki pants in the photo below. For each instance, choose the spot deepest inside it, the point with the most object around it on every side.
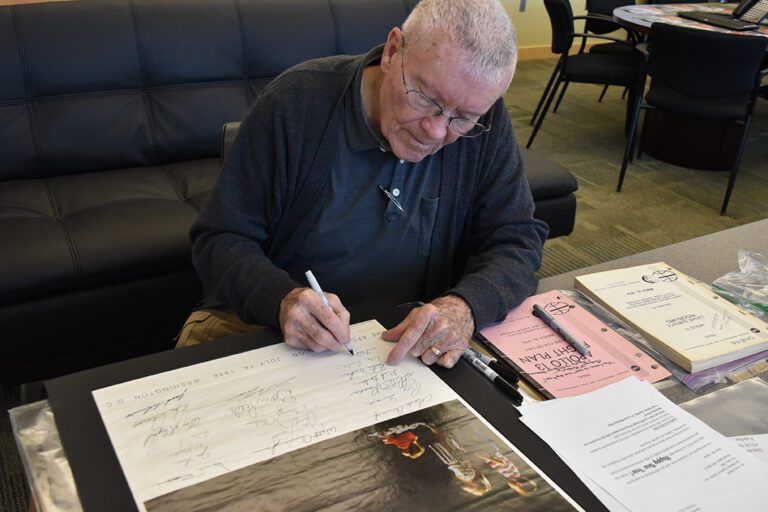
(210, 324)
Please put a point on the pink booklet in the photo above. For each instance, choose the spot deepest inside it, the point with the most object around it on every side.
(551, 364)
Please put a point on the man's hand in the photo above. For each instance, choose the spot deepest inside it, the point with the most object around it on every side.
(308, 323)
(437, 332)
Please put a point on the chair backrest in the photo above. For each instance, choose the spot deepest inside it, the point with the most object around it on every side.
(703, 63)
(604, 7)
(561, 20)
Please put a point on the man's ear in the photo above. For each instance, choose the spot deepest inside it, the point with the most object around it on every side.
(393, 45)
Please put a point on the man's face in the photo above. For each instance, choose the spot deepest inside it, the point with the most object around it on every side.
(433, 70)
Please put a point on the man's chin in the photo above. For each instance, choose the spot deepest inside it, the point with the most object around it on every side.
(415, 154)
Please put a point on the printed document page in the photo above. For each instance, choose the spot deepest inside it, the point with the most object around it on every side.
(184, 426)
(681, 317)
(648, 453)
(550, 363)
(178, 429)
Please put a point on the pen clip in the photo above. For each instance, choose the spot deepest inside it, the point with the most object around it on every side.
(392, 198)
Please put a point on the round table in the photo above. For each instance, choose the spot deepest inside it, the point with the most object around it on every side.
(679, 140)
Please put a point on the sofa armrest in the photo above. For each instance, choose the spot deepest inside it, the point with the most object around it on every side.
(228, 133)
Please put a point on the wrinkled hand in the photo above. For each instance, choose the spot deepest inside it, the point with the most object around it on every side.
(446, 324)
(307, 322)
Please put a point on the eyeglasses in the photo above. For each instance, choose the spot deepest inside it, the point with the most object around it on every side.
(424, 105)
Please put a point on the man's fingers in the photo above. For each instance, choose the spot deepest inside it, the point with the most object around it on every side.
(437, 335)
(445, 359)
(338, 322)
(437, 332)
(450, 359)
(410, 332)
(295, 334)
(302, 342)
(308, 323)
(394, 333)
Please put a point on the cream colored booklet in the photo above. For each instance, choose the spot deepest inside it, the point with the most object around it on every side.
(680, 316)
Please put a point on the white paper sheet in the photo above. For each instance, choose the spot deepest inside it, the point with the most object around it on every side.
(648, 453)
(178, 428)
(756, 444)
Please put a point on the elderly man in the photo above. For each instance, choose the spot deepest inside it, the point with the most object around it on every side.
(392, 174)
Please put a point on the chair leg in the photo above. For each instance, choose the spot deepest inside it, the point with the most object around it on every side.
(735, 169)
(631, 106)
(544, 111)
(546, 90)
(630, 144)
(643, 131)
(602, 94)
(560, 98)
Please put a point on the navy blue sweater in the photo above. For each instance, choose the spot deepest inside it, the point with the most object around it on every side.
(486, 245)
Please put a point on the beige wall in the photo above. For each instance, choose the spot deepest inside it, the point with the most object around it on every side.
(533, 32)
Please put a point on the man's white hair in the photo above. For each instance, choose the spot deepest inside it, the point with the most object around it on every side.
(481, 28)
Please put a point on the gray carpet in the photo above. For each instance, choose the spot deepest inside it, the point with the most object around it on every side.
(660, 203)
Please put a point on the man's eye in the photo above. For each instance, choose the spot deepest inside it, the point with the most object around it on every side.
(423, 101)
(462, 123)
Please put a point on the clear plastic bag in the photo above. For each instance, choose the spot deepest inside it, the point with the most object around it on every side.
(747, 287)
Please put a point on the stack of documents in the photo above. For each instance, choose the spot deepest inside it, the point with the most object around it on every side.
(678, 315)
(636, 450)
(548, 362)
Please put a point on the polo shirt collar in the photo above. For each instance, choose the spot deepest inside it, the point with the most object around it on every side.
(360, 136)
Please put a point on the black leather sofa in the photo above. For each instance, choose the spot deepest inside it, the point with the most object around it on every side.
(111, 115)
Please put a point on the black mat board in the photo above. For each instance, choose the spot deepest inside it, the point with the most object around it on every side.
(96, 469)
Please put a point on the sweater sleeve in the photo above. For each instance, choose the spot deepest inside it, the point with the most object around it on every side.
(506, 241)
(258, 183)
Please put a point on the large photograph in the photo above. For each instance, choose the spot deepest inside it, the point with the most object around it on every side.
(442, 457)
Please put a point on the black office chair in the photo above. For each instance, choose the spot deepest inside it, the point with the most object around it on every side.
(592, 68)
(701, 74)
(599, 20)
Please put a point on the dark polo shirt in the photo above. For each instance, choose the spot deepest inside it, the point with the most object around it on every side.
(362, 246)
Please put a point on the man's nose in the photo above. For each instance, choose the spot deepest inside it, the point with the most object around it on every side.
(436, 127)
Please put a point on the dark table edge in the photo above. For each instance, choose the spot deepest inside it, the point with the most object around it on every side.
(100, 480)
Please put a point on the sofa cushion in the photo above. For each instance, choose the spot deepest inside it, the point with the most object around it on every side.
(111, 122)
(74, 231)
(547, 178)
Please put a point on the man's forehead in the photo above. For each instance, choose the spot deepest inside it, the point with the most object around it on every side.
(473, 96)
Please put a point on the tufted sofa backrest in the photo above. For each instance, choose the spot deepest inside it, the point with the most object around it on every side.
(96, 85)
